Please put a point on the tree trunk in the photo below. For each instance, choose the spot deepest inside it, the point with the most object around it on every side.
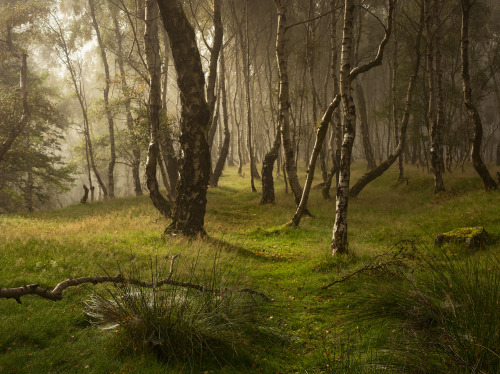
(431, 111)
(284, 102)
(365, 132)
(336, 140)
(318, 145)
(212, 69)
(152, 49)
(339, 242)
(481, 169)
(224, 150)
(194, 170)
(383, 166)
(109, 116)
(136, 151)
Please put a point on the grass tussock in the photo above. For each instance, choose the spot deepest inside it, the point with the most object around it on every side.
(447, 313)
(182, 324)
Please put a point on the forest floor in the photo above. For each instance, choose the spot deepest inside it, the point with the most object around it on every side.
(322, 329)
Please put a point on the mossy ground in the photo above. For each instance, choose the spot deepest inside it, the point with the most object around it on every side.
(289, 265)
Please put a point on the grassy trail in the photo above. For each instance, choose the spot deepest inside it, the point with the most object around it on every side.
(289, 265)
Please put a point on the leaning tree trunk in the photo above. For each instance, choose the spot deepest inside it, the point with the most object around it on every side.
(109, 115)
(284, 102)
(152, 49)
(224, 150)
(339, 242)
(481, 169)
(194, 166)
(396, 154)
(136, 151)
(318, 145)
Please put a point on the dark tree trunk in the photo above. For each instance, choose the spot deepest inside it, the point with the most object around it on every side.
(435, 131)
(365, 132)
(152, 49)
(224, 150)
(481, 169)
(194, 166)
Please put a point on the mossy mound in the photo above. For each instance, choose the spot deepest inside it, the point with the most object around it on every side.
(472, 237)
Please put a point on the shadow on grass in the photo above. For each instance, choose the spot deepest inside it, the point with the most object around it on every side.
(240, 250)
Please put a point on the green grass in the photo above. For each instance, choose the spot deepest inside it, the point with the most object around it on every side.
(324, 328)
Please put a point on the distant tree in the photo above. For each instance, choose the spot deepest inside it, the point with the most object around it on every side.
(479, 166)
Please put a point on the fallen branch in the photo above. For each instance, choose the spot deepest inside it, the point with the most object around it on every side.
(393, 258)
(57, 292)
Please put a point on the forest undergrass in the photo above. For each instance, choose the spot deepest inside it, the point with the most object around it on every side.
(324, 330)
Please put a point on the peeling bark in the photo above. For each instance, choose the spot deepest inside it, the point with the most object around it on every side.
(339, 242)
(194, 165)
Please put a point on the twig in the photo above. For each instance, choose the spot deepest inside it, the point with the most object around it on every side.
(394, 259)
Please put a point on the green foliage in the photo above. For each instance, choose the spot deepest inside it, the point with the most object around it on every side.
(37, 147)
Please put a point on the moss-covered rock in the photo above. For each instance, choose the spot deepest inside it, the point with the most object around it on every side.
(472, 237)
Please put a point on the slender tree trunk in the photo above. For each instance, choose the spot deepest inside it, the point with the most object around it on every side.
(224, 150)
(284, 102)
(481, 169)
(432, 109)
(78, 86)
(365, 132)
(153, 58)
(212, 75)
(339, 239)
(109, 115)
(336, 140)
(383, 166)
(395, 115)
(194, 171)
(136, 150)
(245, 52)
(339, 242)
(318, 145)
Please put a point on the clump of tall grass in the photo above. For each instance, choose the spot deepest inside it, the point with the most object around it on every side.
(216, 322)
(446, 312)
